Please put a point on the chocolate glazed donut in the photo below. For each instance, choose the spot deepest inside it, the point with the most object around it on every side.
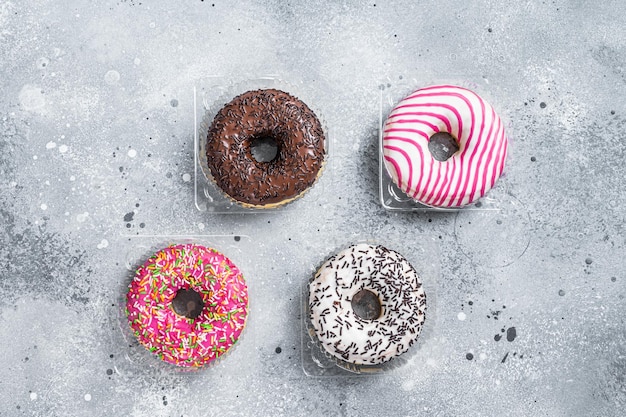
(265, 115)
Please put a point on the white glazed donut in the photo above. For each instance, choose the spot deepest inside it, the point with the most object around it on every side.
(470, 172)
(382, 273)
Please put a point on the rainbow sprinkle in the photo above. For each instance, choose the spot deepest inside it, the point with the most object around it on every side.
(177, 339)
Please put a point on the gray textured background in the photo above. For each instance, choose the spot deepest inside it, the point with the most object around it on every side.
(96, 118)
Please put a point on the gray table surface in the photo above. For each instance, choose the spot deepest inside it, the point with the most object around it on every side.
(96, 162)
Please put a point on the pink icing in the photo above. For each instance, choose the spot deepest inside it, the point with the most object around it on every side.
(177, 339)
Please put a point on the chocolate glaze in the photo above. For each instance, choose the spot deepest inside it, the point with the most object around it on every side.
(265, 113)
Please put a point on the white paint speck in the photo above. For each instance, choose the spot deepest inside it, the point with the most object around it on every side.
(132, 153)
(31, 98)
(51, 145)
(186, 177)
(111, 77)
(87, 397)
(63, 148)
(44, 206)
(35, 157)
(408, 385)
(72, 178)
(461, 316)
(103, 244)
(82, 217)
(33, 396)
(201, 226)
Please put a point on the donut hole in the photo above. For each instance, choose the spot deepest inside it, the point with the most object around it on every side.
(442, 146)
(188, 303)
(366, 305)
(264, 148)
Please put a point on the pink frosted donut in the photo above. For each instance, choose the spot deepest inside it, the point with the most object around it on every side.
(477, 157)
(187, 304)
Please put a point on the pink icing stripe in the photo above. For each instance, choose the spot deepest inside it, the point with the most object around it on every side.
(499, 141)
(491, 136)
(435, 193)
(419, 161)
(465, 142)
(481, 143)
(444, 119)
(490, 140)
(180, 340)
(396, 168)
(448, 94)
(404, 140)
(485, 163)
(428, 192)
(432, 126)
(445, 194)
(408, 161)
(424, 189)
(398, 130)
(420, 132)
(466, 165)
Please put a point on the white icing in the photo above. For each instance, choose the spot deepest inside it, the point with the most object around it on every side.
(387, 274)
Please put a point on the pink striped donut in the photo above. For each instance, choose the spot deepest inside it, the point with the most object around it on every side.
(470, 172)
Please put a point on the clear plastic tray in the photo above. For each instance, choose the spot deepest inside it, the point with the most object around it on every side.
(393, 198)
(138, 249)
(423, 254)
(210, 95)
